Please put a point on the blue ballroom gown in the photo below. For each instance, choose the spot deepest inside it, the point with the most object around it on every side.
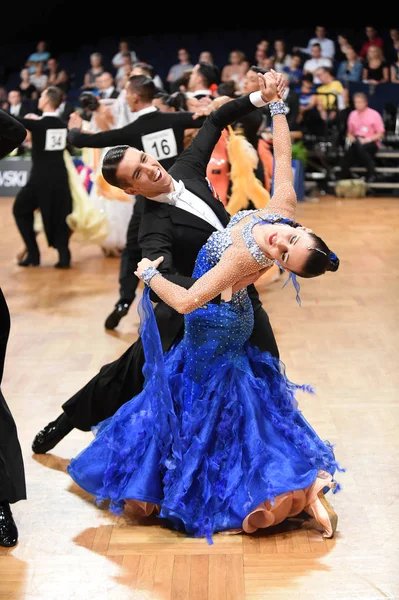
(216, 430)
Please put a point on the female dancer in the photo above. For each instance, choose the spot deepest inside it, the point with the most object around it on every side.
(215, 441)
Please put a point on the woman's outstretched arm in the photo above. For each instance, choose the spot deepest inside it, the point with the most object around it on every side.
(235, 264)
(284, 198)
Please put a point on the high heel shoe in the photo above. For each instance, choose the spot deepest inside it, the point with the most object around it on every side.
(324, 514)
(332, 515)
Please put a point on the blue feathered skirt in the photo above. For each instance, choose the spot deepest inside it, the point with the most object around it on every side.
(215, 442)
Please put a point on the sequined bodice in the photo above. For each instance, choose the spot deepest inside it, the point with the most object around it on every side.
(223, 329)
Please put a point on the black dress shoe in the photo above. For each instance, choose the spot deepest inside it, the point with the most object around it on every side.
(52, 433)
(120, 311)
(62, 265)
(8, 529)
(29, 262)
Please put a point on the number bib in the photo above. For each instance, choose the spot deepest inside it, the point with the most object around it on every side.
(160, 144)
(55, 139)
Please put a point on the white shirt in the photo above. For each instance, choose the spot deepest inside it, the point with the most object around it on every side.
(186, 200)
(313, 64)
(15, 109)
(118, 58)
(327, 47)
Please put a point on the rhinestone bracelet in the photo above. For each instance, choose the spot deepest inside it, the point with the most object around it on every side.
(148, 274)
(277, 108)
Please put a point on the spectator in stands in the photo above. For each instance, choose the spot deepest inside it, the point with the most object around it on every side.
(39, 78)
(57, 76)
(350, 69)
(373, 39)
(26, 88)
(307, 111)
(315, 62)
(294, 71)
(124, 69)
(177, 70)
(260, 57)
(4, 104)
(236, 68)
(96, 68)
(394, 68)
(393, 48)
(41, 55)
(364, 132)
(375, 68)
(17, 106)
(144, 68)
(281, 58)
(203, 81)
(327, 46)
(206, 56)
(331, 96)
(342, 43)
(117, 59)
(264, 45)
(106, 86)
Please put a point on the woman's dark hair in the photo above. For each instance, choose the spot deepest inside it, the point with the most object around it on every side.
(111, 163)
(89, 101)
(256, 69)
(178, 101)
(227, 88)
(320, 259)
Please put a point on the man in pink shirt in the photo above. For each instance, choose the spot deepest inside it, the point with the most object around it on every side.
(365, 130)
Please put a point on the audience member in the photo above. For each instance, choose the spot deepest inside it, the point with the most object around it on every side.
(280, 57)
(66, 108)
(177, 70)
(364, 131)
(41, 55)
(393, 46)
(144, 68)
(317, 60)
(294, 71)
(26, 88)
(105, 86)
(327, 46)
(375, 69)
(350, 69)
(57, 76)
(342, 43)
(394, 69)
(373, 39)
(124, 48)
(96, 68)
(39, 78)
(260, 57)
(236, 68)
(206, 56)
(17, 106)
(124, 69)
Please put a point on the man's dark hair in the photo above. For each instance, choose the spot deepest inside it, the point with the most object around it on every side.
(210, 73)
(111, 163)
(316, 44)
(143, 86)
(54, 95)
(327, 70)
(320, 259)
(256, 69)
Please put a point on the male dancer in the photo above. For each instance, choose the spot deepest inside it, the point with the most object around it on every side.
(175, 226)
(12, 473)
(160, 134)
(48, 185)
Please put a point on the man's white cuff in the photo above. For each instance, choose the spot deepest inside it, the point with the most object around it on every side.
(257, 100)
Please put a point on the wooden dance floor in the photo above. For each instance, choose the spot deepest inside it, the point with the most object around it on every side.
(343, 341)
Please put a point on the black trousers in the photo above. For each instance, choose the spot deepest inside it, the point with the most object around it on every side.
(131, 255)
(12, 472)
(55, 203)
(359, 155)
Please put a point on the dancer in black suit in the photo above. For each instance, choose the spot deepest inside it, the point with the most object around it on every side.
(12, 473)
(48, 185)
(158, 133)
(177, 232)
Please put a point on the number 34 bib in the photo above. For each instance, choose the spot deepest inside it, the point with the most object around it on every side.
(160, 144)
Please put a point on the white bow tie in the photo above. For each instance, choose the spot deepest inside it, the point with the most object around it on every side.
(177, 194)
